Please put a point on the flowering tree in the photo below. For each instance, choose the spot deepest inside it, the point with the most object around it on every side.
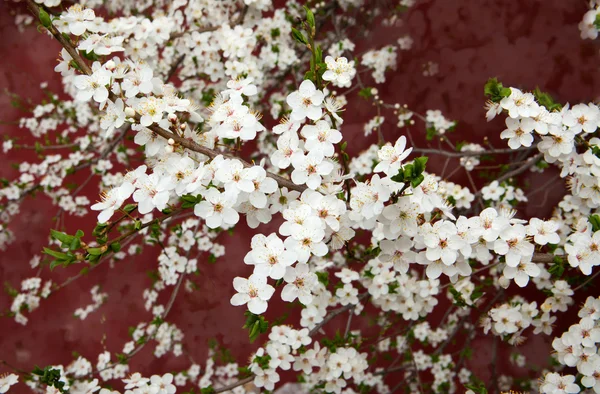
(375, 235)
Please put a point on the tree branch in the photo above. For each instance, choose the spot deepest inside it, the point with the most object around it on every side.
(191, 145)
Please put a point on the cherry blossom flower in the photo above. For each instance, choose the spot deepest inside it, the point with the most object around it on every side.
(321, 138)
(310, 169)
(300, 282)
(256, 183)
(151, 194)
(111, 201)
(162, 384)
(270, 258)
(521, 272)
(114, 117)
(253, 291)
(78, 19)
(93, 85)
(339, 71)
(217, 208)
(306, 102)
(518, 132)
(6, 381)
(391, 157)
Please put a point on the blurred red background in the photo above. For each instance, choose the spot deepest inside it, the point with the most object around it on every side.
(525, 44)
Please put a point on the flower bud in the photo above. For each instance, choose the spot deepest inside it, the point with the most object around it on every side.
(183, 126)
(129, 112)
(172, 118)
(110, 65)
(171, 141)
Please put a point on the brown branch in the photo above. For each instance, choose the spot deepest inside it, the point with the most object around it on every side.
(470, 153)
(517, 171)
(234, 384)
(334, 313)
(545, 258)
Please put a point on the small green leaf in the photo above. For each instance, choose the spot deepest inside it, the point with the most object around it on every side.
(419, 164)
(75, 244)
(55, 254)
(96, 251)
(417, 180)
(310, 17)
(45, 19)
(298, 36)
(130, 208)
(62, 237)
(595, 221)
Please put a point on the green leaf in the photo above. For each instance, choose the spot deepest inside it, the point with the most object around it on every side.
(319, 58)
(557, 269)
(298, 36)
(62, 237)
(430, 132)
(477, 389)
(130, 208)
(495, 91)
(96, 251)
(121, 358)
(365, 93)
(45, 18)
(323, 277)
(597, 22)
(310, 17)
(50, 377)
(75, 244)
(256, 324)
(55, 254)
(115, 246)
(595, 221)
(546, 100)
(417, 180)
(458, 298)
(419, 164)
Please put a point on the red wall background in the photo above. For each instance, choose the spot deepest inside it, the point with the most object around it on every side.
(525, 44)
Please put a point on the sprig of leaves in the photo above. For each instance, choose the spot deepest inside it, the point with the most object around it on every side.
(494, 90)
(50, 377)
(256, 325)
(412, 173)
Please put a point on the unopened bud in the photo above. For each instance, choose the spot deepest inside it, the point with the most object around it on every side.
(129, 112)
(110, 65)
(171, 141)
(183, 126)
(172, 118)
